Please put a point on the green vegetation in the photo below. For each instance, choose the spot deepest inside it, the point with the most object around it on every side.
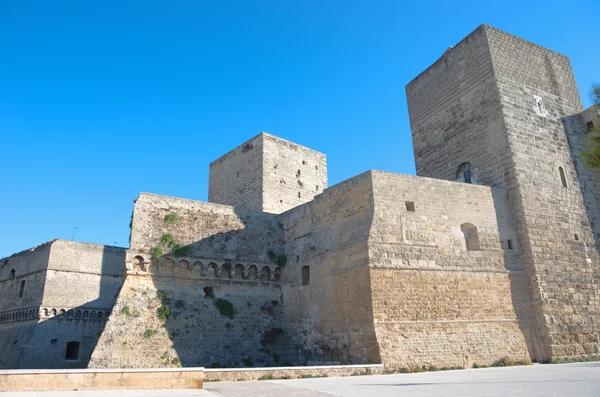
(308, 376)
(228, 325)
(161, 296)
(171, 218)
(163, 312)
(591, 155)
(267, 377)
(279, 260)
(579, 359)
(181, 250)
(509, 362)
(176, 362)
(125, 311)
(225, 308)
(275, 303)
(167, 240)
(156, 252)
(149, 333)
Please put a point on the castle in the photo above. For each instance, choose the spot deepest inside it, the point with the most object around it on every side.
(491, 251)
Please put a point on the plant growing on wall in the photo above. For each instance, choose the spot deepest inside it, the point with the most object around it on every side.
(171, 218)
(279, 260)
(181, 250)
(591, 155)
(163, 312)
(167, 240)
(156, 252)
(225, 308)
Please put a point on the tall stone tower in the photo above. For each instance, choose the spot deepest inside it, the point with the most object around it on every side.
(500, 111)
(268, 174)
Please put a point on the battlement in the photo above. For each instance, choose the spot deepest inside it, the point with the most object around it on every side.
(267, 173)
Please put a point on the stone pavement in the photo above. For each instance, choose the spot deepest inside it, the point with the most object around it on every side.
(580, 379)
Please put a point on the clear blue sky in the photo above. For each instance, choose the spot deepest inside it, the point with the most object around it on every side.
(100, 100)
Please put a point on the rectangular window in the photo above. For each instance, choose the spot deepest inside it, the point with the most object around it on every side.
(590, 126)
(72, 352)
(21, 288)
(305, 275)
(510, 245)
(410, 206)
(53, 342)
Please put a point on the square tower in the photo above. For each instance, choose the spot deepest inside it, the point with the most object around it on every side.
(268, 174)
(504, 112)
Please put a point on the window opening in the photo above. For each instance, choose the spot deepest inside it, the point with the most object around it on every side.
(590, 126)
(410, 206)
(576, 237)
(305, 275)
(21, 288)
(209, 292)
(72, 352)
(11, 274)
(510, 244)
(562, 177)
(53, 342)
(471, 237)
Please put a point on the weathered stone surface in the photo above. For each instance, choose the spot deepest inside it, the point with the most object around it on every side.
(381, 268)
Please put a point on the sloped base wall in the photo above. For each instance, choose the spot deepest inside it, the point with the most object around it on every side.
(195, 333)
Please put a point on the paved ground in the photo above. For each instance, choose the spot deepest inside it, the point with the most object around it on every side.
(581, 379)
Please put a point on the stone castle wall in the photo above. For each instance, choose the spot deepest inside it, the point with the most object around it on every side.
(280, 269)
(435, 302)
(69, 291)
(557, 240)
(236, 178)
(330, 315)
(268, 174)
(292, 174)
(454, 115)
(232, 259)
(502, 104)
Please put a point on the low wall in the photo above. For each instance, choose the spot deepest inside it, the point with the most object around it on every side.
(101, 379)
(239, 374)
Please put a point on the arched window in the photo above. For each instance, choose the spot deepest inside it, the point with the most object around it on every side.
(239, 271)
(563, 180)
(464, 173)
(21, 288)
(265, 274)
(11, 274)
(226, 270)
(138, 263)
(184, 264)
(277, 274)
(213, 269)
(471, 237)
(252, 272)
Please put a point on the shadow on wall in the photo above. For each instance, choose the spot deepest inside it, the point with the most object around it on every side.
(217, 302)
(519, 280)
(55, 335)
(589, 179)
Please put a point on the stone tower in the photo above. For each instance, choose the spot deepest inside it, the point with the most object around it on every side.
(500, 111)
(268, 174)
